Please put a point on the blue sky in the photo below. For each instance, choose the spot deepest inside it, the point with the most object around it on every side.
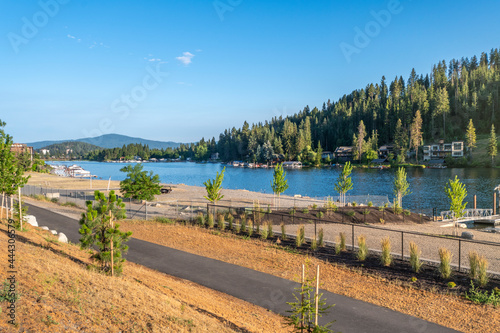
(182, 70)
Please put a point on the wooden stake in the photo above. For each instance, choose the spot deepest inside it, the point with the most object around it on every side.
(302, 296)
(112, 259)
(20, 208)
(1, 208)
(12, 206)
(317, 296)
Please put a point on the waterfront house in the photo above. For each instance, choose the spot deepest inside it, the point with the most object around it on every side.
(292, 164)
(441, 150)
(344, 153)
(385, 150)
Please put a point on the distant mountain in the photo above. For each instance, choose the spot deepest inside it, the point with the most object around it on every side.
(110, 141)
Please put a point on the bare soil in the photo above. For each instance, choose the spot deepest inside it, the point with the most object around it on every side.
(59, 293)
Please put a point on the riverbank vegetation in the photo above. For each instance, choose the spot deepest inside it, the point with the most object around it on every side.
(404, 112)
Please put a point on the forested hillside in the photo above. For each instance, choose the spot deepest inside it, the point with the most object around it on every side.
(70, 149)
(380, 113)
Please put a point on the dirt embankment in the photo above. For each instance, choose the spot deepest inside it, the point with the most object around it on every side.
(59, 294)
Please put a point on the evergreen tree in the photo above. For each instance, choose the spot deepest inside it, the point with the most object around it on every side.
(416, 133)
(400, 142)
(470, 137)
(360, 139)
(97, 230)
(492, 145)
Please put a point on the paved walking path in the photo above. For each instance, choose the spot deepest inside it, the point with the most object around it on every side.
(262, 289)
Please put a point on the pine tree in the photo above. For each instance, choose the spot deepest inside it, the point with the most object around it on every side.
(400, 141)
(492, 145)
(97, 230)
(360, 139)
(470, 137)
(416, 133)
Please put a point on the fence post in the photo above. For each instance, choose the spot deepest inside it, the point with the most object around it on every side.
(352, 237)
(315, 223)
(402, 246)
(146, 208)
(459, 254)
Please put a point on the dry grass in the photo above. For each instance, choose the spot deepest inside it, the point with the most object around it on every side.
(447, 310)
(58, 294)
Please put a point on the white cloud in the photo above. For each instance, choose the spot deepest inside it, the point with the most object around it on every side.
(73, 37)
(185, 58)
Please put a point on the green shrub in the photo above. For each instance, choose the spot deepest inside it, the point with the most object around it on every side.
(445, 262)
(482, 275)
(386, 257)
(320, 214)
(305, 211)
(250, 228)
(407, 212)
(230, 220)
(340, 241)
(362, 248)
(386, 205)
(482, 297)
(473, 263)
(6, 295)
(314, 206)
(237, 227)
(199, 220)
(414, 279)
(270, 232)
(269, 209)
(365, 212)
(354, 203)
(381, 208)
(321, 236)
(263, 232)
(451, 284)
(314, 244)
(351, 213)
(162, 219)
(54, 200)
(370, 204)
(243, 225)
(210, 221)
(283, 231)
(415, 253)
(292, 211)
(300, 239)
(221, 224)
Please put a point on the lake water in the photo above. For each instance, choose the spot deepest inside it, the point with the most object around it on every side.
(427, 185)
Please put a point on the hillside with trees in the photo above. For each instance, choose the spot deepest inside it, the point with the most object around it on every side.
(404, 112)
(69, 150)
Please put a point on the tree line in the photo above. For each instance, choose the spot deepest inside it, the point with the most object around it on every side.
(439, 105)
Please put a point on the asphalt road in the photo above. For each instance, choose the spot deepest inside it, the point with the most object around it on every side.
(268, 291)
